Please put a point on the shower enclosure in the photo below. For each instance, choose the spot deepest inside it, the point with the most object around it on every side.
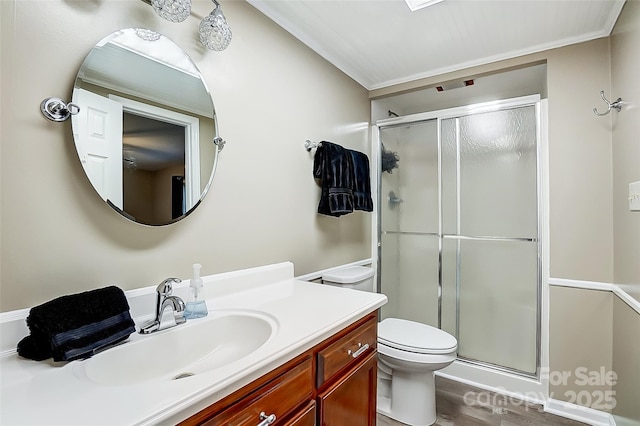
(459, 244)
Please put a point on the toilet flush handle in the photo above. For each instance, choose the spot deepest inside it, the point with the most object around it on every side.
(360, 351)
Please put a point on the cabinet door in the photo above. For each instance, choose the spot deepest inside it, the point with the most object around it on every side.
(351, 400)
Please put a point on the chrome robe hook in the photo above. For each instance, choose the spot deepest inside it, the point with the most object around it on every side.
(617, 105)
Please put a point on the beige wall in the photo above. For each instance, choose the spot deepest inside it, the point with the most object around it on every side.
(595, 334)
(579, 318)
(580, 344)
(581, 220)
(270, 92)
(626, 363)
(625, 69)
(587, 328)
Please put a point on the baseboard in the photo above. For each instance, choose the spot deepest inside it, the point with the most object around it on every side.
(486, 379)
(579, 413)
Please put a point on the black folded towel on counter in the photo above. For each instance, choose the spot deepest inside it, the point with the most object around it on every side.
(76, 326)
(361, 182)
(333, 166)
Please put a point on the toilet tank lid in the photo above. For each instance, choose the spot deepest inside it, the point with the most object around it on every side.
(414, 336)
(349, 275)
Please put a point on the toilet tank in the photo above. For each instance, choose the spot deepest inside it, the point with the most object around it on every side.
(356, 277)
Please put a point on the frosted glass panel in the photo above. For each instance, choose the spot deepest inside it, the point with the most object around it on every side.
(414, 182)
(449, 285)
(498, 302)
(390, 273)
(411, 277)
(390, 182)
(469, 253)
(449, 153)
(498, 184)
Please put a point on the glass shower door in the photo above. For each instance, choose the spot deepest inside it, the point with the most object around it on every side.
(459, 245)
(490, 232)
(409, 228)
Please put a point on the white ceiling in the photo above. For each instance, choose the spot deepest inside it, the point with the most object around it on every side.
(380, 43)
(117, 67)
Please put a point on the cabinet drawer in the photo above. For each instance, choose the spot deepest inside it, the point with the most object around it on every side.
(347, 350)
(279, 397)
(306, 416)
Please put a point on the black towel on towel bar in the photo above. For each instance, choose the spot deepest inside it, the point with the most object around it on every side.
(333, 166)
(76, 326)
(361, 182)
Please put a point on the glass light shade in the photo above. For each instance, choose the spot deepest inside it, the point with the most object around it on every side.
(215, 33)
(147, 35)
(172, 10)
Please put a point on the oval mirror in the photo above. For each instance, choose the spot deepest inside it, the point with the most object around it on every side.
(146, 133)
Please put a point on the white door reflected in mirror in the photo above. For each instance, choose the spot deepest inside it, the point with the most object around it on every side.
(161, 153)
(98, 135)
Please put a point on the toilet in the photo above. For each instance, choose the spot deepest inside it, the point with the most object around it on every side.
(408, 353)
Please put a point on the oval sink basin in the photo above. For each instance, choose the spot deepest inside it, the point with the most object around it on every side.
(182, 351)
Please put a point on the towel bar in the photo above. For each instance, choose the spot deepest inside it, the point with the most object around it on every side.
(311, 145)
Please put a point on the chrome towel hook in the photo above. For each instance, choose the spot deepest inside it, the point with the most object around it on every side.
(56, 110)
(617, 105)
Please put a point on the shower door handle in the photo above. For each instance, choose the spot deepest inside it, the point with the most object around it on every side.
(394, 200)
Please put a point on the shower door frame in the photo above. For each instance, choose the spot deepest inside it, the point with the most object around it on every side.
(541, 182)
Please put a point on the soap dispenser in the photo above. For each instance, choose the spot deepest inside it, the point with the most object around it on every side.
(196, 306)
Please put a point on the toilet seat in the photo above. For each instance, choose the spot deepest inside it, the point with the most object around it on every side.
(415, 337)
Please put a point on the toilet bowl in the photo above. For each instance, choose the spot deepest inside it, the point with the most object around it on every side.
(408, 353)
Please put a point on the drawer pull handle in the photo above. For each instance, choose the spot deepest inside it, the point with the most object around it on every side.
(360, 351)
(266, 420)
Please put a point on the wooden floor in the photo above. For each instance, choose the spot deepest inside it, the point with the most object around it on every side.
(480, 407)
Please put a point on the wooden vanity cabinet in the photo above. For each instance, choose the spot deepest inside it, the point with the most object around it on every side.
(345, 349)
(304, 417)
(332, 384)
(346, 377)
(352, 397)
(284, 392)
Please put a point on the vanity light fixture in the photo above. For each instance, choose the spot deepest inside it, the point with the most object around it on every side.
(172, 10)
(215, 33)
(214, 30)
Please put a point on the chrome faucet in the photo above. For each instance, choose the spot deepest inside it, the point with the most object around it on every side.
(164, 299)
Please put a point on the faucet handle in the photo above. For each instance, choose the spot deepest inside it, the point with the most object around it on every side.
(166, 287)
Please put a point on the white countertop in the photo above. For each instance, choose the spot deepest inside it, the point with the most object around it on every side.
(303, 315)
